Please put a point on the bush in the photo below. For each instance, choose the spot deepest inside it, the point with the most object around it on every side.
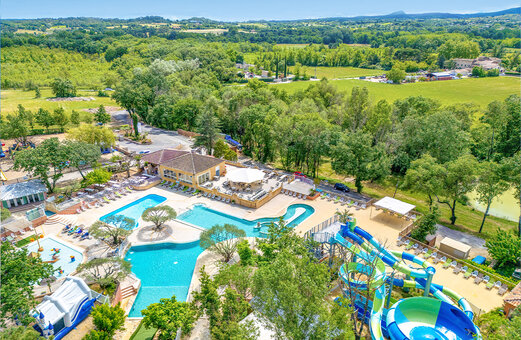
(63, 88)
(102, 93)
(245, 253)
(4, 214)
(426, 225)
(108, 319)
(97, 176)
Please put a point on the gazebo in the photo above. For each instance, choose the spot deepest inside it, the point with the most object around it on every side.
(389, 204)
(245, 177)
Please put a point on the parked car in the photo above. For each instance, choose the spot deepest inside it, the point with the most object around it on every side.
(342, 187)
(298, 173)
(142, 152)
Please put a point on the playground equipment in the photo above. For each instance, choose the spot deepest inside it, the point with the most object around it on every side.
(366, 273)
(60, 312)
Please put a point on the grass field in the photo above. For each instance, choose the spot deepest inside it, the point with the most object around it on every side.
(339, 72)
(480, 91)
(11, 98)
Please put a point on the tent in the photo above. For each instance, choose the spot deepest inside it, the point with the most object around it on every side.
(394, 205)
(245, 175)
(60, 312)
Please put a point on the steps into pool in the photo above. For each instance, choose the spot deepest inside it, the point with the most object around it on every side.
(127, 292)
(61, 219)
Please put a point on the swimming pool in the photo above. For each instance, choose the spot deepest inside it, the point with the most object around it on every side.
(64, 260)
(205, 217)
(135, 209)
(164, 270)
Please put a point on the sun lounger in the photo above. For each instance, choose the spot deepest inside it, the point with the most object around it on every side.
(128, 189)
(459, 268)
(486, 279)
(490, 285)
(503, 289)
(71, 231)
(418, 250)
(428, 254)
(470, 273)
(228, 200)
(399, 241)
(439, 259)
(118, 194)
(77, 233)
(478, 279)
(447, 264)
(106, 199)
(415, 247)
(410, 245)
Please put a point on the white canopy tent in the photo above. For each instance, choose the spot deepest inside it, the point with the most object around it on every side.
(394, 205)
(245, 175)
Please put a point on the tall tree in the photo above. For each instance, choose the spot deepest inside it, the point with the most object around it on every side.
(504, 247)
(46, 162)
(106, 271)
(291, 294)
(491, 184)
(425, 176)
(116, 227)
(19, 273)
(60, 118)
(82, 154)
(101, 136)
(63, 88)
(355, 156)
(17, 125)
(101, 116)
(169, 315)
(458, 179)
(44, 118)
(208, 127)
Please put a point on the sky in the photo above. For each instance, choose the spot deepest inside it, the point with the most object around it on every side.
(238, 10)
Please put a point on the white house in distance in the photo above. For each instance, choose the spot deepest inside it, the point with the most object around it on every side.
(488, 63)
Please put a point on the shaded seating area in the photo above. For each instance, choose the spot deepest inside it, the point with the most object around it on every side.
(395, 207)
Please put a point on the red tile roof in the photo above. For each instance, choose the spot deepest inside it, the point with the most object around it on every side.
(161, 156)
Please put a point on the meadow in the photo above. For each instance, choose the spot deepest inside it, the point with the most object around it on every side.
(480, 91)
(11, 98)
(338, 72)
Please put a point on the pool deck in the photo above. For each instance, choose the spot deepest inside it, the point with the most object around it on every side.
(383, 227)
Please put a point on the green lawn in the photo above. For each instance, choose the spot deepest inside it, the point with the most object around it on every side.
(338, 72)
(11, 98)
(480, 91)
(143, 333)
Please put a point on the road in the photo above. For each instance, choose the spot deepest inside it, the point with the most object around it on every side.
(161, 139)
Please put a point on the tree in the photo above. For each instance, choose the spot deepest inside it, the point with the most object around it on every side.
(98, 135)
(396, 75)
(344, 215)
(159, 215)
(458, 179)
(116, 227)
(97, 176)
(222, 150)
(208, 127)
(494, 325)
(426, 225)
(75, 118)
(513, 171)
(424, 175)
(491, 184)
(19, 272)
(355, 156)
(45, 162)
(108, 319)
(63, 88)
(17, 125)
(20, 333)
(101, 116)
(478, 71)
(222, 239)
(44, 118)
(291, 294)
(504, 247)
(169, 315)
(106, 271)
(82, 154)
(60, 118)
(37, 93)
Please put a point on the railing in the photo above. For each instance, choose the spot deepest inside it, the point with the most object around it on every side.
(103, 299)
(321, 226)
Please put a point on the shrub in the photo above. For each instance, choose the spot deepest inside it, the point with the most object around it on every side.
(4, 214)
(245, 253)
(108, 319)
(97, 176)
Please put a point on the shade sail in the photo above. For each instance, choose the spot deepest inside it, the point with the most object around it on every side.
(394, 205)
(245, 175)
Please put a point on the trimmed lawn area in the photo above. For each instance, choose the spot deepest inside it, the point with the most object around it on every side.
(11, 99)
(25, 241)
(471, 90)
(143, 333)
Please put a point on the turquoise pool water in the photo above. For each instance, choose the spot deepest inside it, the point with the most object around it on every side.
(135, 209)
(164, 270)
(205, 217)
(64, 261)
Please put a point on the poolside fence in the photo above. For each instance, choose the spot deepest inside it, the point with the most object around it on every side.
(321, 226)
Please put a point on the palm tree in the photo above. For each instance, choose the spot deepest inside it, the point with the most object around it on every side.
(344, 215)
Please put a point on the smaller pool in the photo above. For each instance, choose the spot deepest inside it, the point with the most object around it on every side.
(64, 255)
(49, 213)
(135, 209)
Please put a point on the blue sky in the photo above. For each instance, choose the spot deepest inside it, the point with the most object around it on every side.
(238, 10)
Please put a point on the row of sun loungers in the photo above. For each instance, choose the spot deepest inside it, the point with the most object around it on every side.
(217, 197)
(79, 232)
(454, 265)
(293, 194)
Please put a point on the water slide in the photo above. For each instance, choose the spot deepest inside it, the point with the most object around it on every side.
(411, 318)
